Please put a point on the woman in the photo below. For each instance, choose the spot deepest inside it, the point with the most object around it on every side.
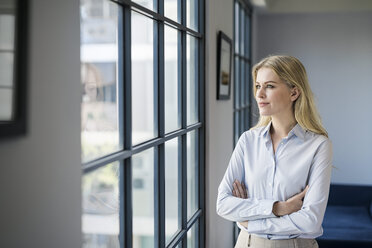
(277, 182)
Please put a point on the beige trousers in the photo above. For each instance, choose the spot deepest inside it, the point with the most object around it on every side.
(248, 240)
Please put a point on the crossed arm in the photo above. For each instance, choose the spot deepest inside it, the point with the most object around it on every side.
(280, 208)
(296, 215)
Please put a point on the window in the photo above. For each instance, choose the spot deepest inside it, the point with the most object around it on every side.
(142, 123)
(243, 64)
(7, 59)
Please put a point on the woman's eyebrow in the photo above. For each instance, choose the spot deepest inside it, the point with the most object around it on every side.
(266, 82)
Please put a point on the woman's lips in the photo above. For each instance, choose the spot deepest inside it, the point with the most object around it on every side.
(262, 104)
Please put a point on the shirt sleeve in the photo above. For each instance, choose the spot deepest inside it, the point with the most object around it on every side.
(309, 219)
(234, 208)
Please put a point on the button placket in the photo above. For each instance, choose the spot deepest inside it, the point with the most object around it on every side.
(271, 179)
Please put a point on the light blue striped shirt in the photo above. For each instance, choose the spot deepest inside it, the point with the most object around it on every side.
(302, 158)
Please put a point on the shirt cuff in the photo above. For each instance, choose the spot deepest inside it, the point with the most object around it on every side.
(264, 210)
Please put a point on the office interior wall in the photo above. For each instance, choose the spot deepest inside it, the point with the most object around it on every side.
(40, 173)
(219, 124)
(336, 49)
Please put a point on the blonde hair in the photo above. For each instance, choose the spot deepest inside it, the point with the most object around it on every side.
(291, 71)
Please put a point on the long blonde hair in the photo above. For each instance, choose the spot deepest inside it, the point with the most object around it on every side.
(291, 71)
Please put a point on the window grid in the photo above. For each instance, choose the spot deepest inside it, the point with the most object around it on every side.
(124, 157)
(242, 60)
(243, 63)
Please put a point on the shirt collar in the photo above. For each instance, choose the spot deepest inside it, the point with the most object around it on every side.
(266, 130)
(296, 130)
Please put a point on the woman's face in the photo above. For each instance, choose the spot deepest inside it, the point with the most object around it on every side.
(274, 97)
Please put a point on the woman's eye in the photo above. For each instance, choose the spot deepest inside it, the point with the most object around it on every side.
(257, 86)
(269, 86)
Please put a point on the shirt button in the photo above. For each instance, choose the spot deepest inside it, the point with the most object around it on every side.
(270, 184)
(266, 212)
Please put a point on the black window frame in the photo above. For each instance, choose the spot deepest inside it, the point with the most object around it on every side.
(242, 103)
(125, 121)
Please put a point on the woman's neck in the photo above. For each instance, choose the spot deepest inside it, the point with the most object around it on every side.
(281, 127)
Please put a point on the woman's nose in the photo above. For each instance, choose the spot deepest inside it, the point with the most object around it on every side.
(260, 93)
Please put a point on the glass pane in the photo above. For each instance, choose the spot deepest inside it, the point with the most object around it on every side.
(146, 3)
(246, 116)
(242, 33)
(172, 212)
(247, 83)
(192, 14)
(143, 199)
(192, 80)
(172, 96)
(241, 120)
(100, 128)
(192, 236)
(192, 173)
(99, 25)
(242, 83)
(247, 35)
(236, 123)
(236, 27)
(7, 31)
(100, 220)
(6, 69)
(142, 78)
(237, 83)
(246, 121)
(6, 104)
(171, 9)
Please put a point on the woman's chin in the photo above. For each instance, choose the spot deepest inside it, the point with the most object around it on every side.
(263, 113)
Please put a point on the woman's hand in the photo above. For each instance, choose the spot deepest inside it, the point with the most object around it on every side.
(291, 205)
(240, 191)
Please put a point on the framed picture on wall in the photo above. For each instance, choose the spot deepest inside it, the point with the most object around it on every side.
(224, 55)
(13, 60)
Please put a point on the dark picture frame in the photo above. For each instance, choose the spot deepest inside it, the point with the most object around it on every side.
(16, 124)
(224, 56)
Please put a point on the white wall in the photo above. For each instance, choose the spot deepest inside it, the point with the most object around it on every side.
(219, 121)
(40, 173)
(336, 50)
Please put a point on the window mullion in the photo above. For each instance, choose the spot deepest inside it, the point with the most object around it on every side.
(127, 219)
(159, 97)
(183, 63)
(201, 136)
(122, 133)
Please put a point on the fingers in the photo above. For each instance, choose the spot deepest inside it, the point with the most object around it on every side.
(295, 203)
(239, 190)
(303, 193)
(236, 191)
(244, 190)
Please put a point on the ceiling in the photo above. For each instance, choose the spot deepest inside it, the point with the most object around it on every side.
(311, 6)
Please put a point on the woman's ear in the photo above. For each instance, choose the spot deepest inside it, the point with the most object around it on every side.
(295, 93)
